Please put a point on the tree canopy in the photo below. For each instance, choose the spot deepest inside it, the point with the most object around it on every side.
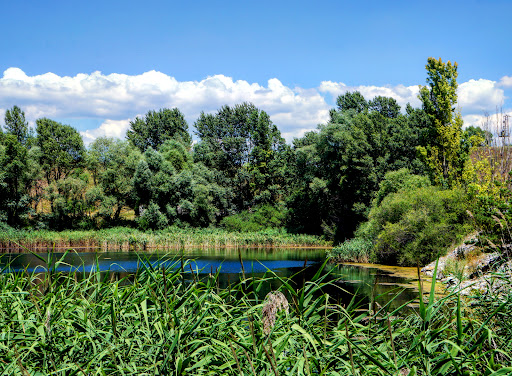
(156, 127)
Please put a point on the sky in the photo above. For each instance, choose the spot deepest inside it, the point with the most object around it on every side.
(96, 65)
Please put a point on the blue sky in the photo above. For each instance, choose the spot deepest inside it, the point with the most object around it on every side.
(98, 64)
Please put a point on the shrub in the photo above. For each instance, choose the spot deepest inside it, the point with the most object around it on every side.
(414, 226)
(152, 218)
(262, 217)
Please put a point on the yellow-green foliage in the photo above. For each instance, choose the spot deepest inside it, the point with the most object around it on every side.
(442, 155)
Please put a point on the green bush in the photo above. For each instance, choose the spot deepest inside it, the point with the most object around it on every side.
(265, 216)
(414, 226)
(152, 218)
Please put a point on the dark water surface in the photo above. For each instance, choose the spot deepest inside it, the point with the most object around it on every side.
(364, 284)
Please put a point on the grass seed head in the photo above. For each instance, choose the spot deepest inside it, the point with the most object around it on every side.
(275, 301)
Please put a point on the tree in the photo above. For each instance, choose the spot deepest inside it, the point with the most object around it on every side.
(242, 145)
(157, 127)
(386, 106)
(16, 124)
(113, 162)
(14, 180)
(439, 98)
(62, 148)
(352, 101)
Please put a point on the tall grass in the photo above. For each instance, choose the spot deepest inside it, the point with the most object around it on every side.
(352, 250)
(122, 238)
(172, 322)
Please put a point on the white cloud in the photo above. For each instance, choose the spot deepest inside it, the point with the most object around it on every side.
(506, 82)
(109, 128)
(480, 95)
(117, 97)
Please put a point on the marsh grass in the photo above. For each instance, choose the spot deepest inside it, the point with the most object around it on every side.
(169, 321)
(125, 239)
(352, 250)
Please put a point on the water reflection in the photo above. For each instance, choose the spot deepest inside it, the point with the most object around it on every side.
(363, 285)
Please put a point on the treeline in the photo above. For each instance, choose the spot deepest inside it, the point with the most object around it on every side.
(241, 175)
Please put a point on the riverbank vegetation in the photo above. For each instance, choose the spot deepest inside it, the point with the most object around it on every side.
(408, 183)
(130, 239)
(170, 322)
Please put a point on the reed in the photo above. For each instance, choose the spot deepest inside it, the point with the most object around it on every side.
(168, 322)
(126, 239)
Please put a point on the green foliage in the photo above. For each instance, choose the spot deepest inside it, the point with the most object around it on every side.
(15, 181)
(337, 170)
(352, 101)
(62, 148)
(439, 98)
(257, 219)
(415, 225)
(152, 218)
(161, 321)
(353, 250)
(113, 164)
(385, 106)
(16, 124)
(244, 149)
(395, 181)
(158, 126)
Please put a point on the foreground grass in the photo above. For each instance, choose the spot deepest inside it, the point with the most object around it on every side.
(170, 322)
(123, 238)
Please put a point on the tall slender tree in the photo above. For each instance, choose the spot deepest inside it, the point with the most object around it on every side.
(16, 124)
(439, 99)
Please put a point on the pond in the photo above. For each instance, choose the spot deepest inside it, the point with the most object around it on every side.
(362, 282)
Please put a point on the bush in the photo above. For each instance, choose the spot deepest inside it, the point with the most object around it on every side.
(152, 218)
(414, 226)
(265, 216)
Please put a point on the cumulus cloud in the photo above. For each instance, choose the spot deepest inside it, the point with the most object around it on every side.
(480, 95)
(506, 82)
(109, 128)
(117, 97)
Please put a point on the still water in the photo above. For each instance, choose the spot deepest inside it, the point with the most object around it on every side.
(360, 283)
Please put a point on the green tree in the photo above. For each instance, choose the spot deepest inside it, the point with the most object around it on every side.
(16, 124)
(158, 126)
(62, 148)
(243, 146)
(439, 98)
(113, 163)
(387, 107)
(14, 181)
(352, 101)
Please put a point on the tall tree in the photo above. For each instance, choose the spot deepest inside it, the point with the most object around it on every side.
(439, 99)
(156, 127)
(113, 162)
(16, 124)
(14, 180)
(62, 148)
(242, 144)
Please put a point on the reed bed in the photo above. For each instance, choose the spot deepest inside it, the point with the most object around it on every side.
(167, 322)
(125, 239)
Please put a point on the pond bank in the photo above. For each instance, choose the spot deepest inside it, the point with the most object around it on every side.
(468, 270)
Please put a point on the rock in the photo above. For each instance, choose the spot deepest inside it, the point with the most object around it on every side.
(485, 263)
(450, 281)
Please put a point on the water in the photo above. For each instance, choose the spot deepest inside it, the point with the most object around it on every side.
(362, 283)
